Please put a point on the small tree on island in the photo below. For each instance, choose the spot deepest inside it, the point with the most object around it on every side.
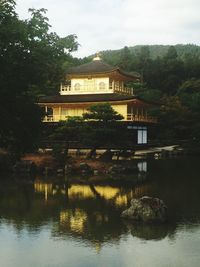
(102, 129)
(102, 113)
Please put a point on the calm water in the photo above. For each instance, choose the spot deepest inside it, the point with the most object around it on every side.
(51, 223)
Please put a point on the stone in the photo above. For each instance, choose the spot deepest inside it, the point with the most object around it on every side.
(68, 169)
(24, 166)
(59, 171)
(146, 209)
(121, 169)
(84, 166)
(116, 169)
(96, 172)
(106, 156)
(48, 170)
(85, 169)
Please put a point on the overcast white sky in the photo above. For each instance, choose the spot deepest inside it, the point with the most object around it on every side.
(113, 24)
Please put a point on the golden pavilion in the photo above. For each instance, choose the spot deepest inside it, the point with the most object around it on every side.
(97, 82)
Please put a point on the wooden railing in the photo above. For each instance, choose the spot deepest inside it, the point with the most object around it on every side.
(48, 118)
(122, 90)
(113, 88)
(51, 118)
(140, 118)
(86, 89)
(129, 117)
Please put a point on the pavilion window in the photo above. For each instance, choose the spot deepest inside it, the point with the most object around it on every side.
(142, 135)
(77, 86)
(111, 84)
(102, 86)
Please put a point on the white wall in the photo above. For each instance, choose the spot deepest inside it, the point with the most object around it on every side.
(88, 86)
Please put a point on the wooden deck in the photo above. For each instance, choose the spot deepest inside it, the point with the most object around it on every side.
(129, 118)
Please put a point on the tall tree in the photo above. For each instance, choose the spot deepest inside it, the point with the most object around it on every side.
(125, 59)
(31, 59)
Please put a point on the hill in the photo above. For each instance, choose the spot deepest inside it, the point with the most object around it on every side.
(183, 50)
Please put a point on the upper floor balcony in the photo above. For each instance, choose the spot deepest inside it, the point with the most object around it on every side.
(95, 89)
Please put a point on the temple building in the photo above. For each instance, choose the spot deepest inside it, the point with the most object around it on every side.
(97, 82)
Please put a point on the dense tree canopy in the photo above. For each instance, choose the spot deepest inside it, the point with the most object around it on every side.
(31, 63)
(170, 76)
(102, 112)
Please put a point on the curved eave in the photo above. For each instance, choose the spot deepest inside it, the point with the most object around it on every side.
(129, 75)
(90, 98)
(129, 101)
(88, 102)
(115, 72)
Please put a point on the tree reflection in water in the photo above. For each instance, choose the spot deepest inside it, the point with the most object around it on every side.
(92, 212)
(86, 212)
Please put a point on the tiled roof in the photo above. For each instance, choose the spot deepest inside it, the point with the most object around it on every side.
(84, 98)
(99, 66)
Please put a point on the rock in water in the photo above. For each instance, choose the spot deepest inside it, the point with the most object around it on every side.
(146, 209)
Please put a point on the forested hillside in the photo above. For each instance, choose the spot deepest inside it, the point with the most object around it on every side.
(154, 51)
(162, 67)
(171, 77)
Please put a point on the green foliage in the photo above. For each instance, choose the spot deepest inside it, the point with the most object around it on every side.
(174, 120)
(31, 63)
(98, 128)
(91, 133)
(125, 55)
(99, 134)
(190, 86)
(171, 76)
(71, 130)
(21, 125)
(189, 93)
(143, 92)
(155, 51)
(171, 53)
(102, 112)
(162, 67)
(48, 54)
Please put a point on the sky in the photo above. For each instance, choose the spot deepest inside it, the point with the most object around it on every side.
(113, 24)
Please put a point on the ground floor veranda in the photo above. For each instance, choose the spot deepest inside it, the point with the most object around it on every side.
(136, 112)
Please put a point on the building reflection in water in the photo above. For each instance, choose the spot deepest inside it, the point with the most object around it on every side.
(119, 196)
(115, 194)
(142, 166)
(84, 212)
(89, 215)
(92, 212)
(46, 188)
(74, 219)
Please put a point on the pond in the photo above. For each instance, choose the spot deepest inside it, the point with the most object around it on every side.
(53, 223)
